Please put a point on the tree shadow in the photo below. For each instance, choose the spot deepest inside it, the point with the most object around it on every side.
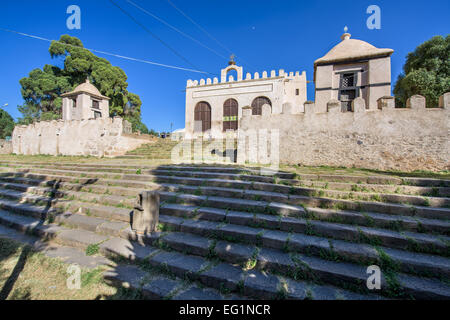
(18, 268)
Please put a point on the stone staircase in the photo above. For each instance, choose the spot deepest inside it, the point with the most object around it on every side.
(160, 149)
(231, 233)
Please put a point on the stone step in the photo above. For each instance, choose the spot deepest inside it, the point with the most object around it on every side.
(297, 203)
(31, 205)
(310, 268)
(151, 285)
(376, 188)
(371, 206)
(65, 254)
(409, 262)
(402, 240)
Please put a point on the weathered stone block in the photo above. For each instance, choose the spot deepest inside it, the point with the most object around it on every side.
(444, 101)
(146, 213)
(266, 110)
(386, 102)
(416, 102)
(359, 105)
(287, 108)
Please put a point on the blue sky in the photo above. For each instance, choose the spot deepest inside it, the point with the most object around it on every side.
(264, 34)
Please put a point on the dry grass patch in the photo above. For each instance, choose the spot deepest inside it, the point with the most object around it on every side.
(29, 275)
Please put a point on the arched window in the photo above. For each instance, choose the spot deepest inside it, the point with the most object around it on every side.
(230, 115)
(202, 113)
(258, 103)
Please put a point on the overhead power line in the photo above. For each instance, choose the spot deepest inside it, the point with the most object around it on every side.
(176, 29)
(204, 31)
(105, 53)
(152, 34)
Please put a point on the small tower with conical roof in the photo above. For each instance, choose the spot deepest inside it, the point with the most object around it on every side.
(85, 102)
(353, 68)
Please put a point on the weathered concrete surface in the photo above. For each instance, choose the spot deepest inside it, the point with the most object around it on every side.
(5, 147)
(95, 137)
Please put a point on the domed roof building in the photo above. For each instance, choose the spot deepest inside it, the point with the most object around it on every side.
(85, 102)
(87, 88)
(353, 68)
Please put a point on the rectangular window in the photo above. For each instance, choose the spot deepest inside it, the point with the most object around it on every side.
(95, 104)
(74, 103)
(97, 114)
(297, 92)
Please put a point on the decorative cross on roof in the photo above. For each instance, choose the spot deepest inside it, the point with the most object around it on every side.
(232, 57)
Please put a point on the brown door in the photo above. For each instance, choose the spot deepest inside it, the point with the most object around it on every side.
(257, 105)
(203, 113)
(230, 115)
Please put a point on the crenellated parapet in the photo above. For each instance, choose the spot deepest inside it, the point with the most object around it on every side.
(280, 74)
(358, 105)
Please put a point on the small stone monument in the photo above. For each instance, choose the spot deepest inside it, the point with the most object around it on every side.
(146, 212)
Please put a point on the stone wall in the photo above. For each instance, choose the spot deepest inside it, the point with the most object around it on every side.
(280, 88)
(5, 147)
(413, 138)
(95, 137)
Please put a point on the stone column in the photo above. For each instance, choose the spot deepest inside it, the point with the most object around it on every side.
(146, 212)
(386, 102)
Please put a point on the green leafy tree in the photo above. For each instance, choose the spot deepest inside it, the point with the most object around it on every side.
(6, 124)
(41, 90)
(426, 72)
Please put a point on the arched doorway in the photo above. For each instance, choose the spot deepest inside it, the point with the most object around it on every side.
(202, 113)
(230, 115)
(258, 103)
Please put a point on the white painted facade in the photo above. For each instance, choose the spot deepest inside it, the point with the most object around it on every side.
(280, 88)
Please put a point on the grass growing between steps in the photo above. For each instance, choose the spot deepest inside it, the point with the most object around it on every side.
(29, 275)
(299, 169)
